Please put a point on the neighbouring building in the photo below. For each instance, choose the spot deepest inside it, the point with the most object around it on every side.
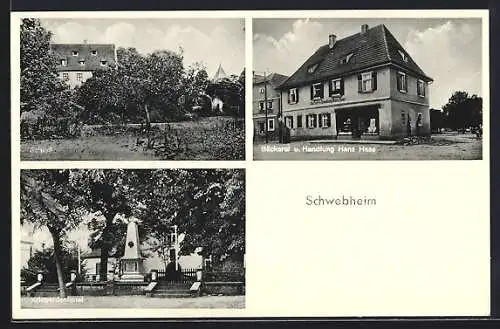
(217, 103)
(91, 262)
(364, 86)
(26, 252)
(77, 62)
(265, 88)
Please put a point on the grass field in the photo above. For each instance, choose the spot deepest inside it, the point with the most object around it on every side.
(133, 302)
(204, 139)
(442, 147)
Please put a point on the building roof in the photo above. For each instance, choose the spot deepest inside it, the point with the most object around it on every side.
(374, 47)
(274, 79)
(85, 52)
(220, 74)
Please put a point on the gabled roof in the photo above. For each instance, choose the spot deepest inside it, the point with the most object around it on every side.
(374, 47)
(103, 52)
(274, 79)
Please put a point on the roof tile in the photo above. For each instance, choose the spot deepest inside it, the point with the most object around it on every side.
(376, 46)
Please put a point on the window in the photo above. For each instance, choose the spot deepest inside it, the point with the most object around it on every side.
(299, 121)
(64, 62)
(312, 68)
(270, 105)
(270, 125)
(74, 53)
(421, 88)
(261, 106)
(311, 121)
(293, 96)
(367, 82)
(402, 82)
(93, 52)
(97, 268)
(317, 90)
(336, 87)
(65, 76)
(366, 79)
(262, 127)
(289, 122)
(403, 56)
(346, 59)
(261, 90)
(79, 77)
(103, 63)
(325, 120)
(81, 62)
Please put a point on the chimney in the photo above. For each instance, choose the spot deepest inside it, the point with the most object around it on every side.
(332, 38)
(364, 28)
(84, 41)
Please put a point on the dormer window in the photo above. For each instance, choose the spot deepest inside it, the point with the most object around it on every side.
(104, 63)
(346, 59)
(403, 56)
(64, 62)
(93, 52)
(81, 62)
(261, 90)
(312, 68)
(74, 53)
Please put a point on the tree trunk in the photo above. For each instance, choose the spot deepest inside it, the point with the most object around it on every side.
(58, 257)
(148, 119)
(105, 247)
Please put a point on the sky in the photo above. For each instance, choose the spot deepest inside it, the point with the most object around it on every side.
(447, 50)
(210, 41)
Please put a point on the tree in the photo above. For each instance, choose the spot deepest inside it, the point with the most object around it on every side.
(42, 94)
(44, 261)
(208, 205)
(232, 92)
(194, 84)
(141, 84)
(48, 199)
(463, 111)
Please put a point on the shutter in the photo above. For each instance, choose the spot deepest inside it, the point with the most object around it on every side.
(342, 86)
(320, 120)
(291, 122)
(315, 120)
(398, 79)
(288, 96)
(322, 90)
(406, 82)
(374, 80)
(330, 88)
(360, 84)
(297, 95)
(312, 91)
(329, 120)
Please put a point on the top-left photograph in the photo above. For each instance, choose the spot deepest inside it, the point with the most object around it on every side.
(132, 89)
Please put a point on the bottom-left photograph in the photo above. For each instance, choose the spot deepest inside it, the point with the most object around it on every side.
(132, 238)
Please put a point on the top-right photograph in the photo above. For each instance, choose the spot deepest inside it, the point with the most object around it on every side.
(368, 89)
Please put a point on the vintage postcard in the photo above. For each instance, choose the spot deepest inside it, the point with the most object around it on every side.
(367, 88)
(127, 201)
(132, 89)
